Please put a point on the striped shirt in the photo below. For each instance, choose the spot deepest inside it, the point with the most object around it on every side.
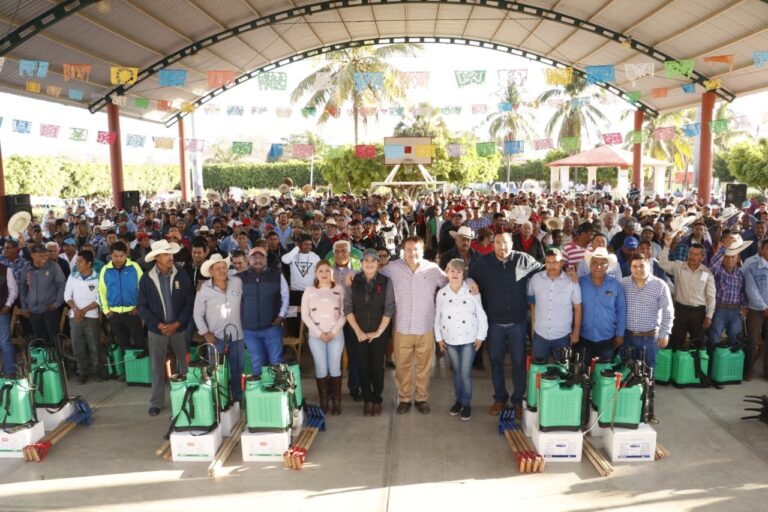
(648, 308)
(573, 254)
(729, 286)
(415, 295)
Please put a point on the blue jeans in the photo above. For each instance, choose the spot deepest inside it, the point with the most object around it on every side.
(6, 347)
(264, 346)
(638, 344)
(236, 360)
(543, 349)
(461, 357)
(603, 349)
(725, 320)
(327, 356)
(503, 339)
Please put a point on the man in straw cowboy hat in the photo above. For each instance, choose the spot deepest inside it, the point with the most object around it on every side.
(165, 301)
(604, 307)
(730, 295)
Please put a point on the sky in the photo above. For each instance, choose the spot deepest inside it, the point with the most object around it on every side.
(263, 129)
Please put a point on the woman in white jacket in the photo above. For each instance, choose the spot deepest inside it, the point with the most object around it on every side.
(460, 328)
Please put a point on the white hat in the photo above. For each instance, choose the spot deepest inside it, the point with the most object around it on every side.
(728, 212)
(678, 223)
(331, 221)
(106, 225)
(162, 247)
(601, 252)
(464, 231)
(554, 223)
(18, 223)
(205, 268)
(203, 229)
(737, 245)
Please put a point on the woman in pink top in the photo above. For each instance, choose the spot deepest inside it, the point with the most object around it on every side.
(322, 310)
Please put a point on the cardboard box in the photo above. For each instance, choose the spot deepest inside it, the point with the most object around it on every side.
(265, 446)
(529, 420)
(596, 429)
(51, 420)
(559, 446)
(299, 423)
(194, 447)
(229, 419)
(629, 445)
(11, 445)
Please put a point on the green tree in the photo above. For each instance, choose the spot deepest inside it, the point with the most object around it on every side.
(513, 124)
(748, 162)
(574, 118)
(345, 172)
(678, 150)
(221, 153)
(428, 122)
(340, 68)
(720, 167)
(469, 168)
(308, 137)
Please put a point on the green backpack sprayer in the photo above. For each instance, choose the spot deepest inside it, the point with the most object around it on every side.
(626, 394)
(562, 396)
(194, 396)
(47, 375)
(535, 367)
(270, 402)
(17, 402)
(727, 363)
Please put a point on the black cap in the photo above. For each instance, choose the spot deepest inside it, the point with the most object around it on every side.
(585, 227)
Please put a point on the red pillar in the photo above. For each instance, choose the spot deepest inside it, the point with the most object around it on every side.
(637, 152)
(182, 161)
(3, 216)
(115, 155)
(705, 146)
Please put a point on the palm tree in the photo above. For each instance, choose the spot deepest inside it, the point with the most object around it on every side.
(725, 139)
(427, 122)
(679, 149)
(340, 68)
(574, 118)
(511, 124)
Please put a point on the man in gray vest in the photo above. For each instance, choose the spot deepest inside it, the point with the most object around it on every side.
(263, 308)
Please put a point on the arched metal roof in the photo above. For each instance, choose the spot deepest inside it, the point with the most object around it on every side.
(248, 36)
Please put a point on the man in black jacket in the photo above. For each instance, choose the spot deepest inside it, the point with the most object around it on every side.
(165, 301)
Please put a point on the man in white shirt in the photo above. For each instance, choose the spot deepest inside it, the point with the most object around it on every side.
(301, 261)
(81, 293)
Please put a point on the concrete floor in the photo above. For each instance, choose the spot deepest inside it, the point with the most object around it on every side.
(399, 462)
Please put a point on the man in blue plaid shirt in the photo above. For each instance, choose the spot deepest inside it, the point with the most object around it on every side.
(730, 293)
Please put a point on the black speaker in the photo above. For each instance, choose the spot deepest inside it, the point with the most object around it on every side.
(130, 199)
(735, 194)
(17, 203)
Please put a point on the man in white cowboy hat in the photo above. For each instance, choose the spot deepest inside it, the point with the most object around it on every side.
(649, 310)
(603, 307)
(446, 242)
(608, 224)
(463, 237)
(165, 301)
(730, 295)
(694, 293)
(598, 240)
(218, 317)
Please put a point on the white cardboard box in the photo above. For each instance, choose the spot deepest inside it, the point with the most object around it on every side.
(11, 445)
(559, 446)
(529, 419)
(229, 419)
(186, 447)
(51, 420)
(630, 445)
(597, 430)
(265, 446)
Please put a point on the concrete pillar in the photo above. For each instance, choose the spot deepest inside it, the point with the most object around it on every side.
(637, 153)
(115, 155)
(554, 175)
(659, 179)
(565, 178)
(591, 176)
(705, 154)
(622, 183)
(182, 161)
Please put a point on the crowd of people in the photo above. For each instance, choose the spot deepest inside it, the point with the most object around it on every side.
(393, 282)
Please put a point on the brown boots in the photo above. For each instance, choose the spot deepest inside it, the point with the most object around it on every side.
(322, 392)
(336, 395)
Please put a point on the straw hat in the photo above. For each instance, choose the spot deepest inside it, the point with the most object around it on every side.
(520, 214)
(205, 268)
(464, 231)
(737, 246)
(678, 223)
(18, 223)
(162, 247)
(106, 225)
(728, 212)
(554, 223)
(601, 253)
(604, 215)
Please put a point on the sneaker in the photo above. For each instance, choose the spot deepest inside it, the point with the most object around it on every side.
(466, 413)
(456, 409)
